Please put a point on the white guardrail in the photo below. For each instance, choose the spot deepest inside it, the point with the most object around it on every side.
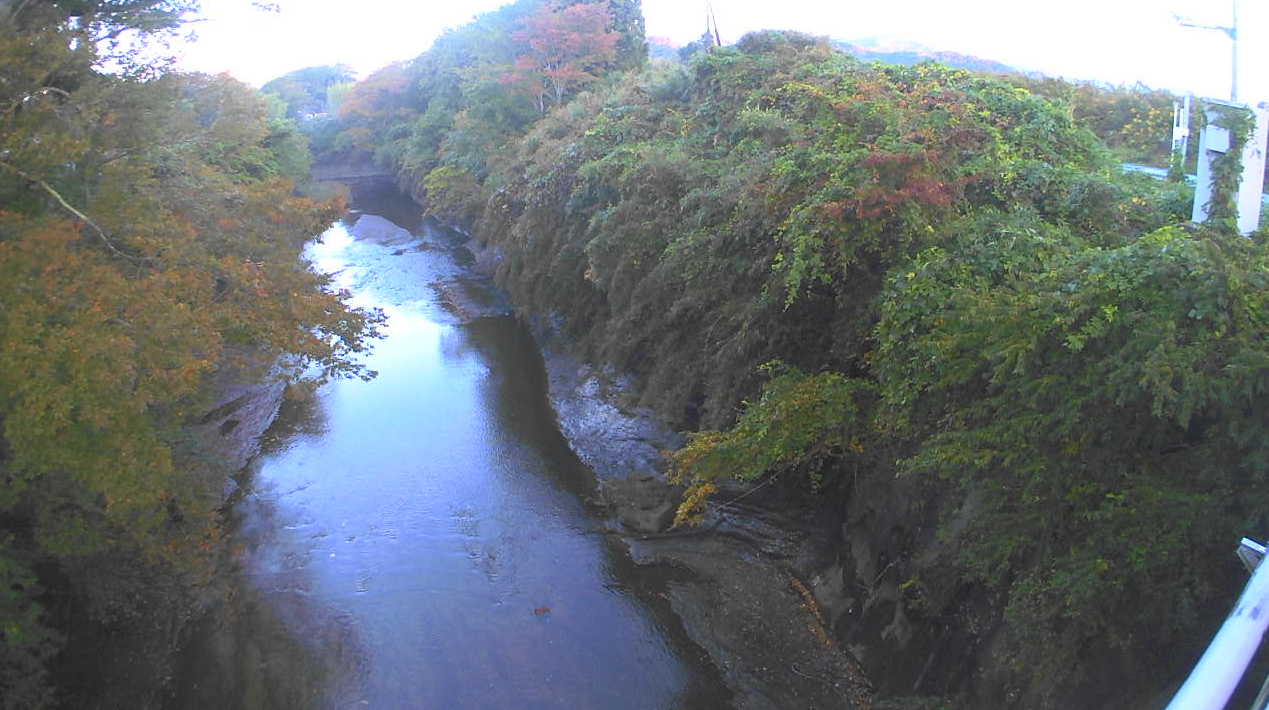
(1223, 664)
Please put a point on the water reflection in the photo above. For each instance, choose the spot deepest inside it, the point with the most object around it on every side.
(515, 396)
(417, 541)
(265, 644)
(301, 417)
(378, 197)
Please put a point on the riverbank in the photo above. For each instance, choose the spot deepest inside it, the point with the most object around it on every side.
(145, 649)
(744, 600)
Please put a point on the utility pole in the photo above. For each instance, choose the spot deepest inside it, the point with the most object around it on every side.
(709, 18)
(1230, 30)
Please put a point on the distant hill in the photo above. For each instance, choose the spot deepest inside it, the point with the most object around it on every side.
(662, 48)
(883, 49)
(897, 51)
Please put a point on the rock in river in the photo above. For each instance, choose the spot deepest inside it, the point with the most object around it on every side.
(374, 228)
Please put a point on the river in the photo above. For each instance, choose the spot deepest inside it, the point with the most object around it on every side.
(419, 541)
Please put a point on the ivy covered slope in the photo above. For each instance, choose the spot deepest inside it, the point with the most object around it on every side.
(961, 290)
(149, 237)
(694, 222)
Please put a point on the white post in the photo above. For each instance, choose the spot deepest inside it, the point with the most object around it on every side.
(1251, 190)
(1217, 674)
(1233, 40)
(1214, 140)
(1181, 129)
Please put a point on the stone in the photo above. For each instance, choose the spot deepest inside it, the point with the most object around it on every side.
(372, 227)
(644, 503)
(648, 520)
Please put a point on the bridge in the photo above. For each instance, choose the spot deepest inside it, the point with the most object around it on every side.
(350, 171)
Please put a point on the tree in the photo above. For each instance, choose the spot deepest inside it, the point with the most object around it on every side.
(304, 90)
(628, 24)
(370, 107)
(566, 48)
(149, 238)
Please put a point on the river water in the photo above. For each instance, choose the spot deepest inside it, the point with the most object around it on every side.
(418, 541)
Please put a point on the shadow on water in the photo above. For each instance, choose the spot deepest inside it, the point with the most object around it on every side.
(379, 196)
(263, 644)
(300, 417)
(517, 395)
(248, 657)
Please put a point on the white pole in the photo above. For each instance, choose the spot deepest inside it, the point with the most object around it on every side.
(1233, 40)
(1217, 674)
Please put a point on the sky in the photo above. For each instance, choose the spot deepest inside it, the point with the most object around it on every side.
(1116, 41)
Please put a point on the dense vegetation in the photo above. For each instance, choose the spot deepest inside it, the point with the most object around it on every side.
(307, 92)
(1135, 122)
(149, 239)
(836, 271)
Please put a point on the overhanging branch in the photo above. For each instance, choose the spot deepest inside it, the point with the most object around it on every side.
(71, 208)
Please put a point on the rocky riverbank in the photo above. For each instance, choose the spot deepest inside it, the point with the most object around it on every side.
(243, 410)
(743, 601)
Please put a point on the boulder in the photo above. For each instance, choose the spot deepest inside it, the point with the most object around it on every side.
(644, 502)
(372, 227)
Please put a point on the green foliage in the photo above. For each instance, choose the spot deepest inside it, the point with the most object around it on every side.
(780, 200)
(306, 91)
(627, 23)
(904, 181)
(797, 422)
(991, 308)
(1134, 121)
(28, 641)
(1102, 406)
(691, 223)
(700, 44)
(454, 195)
(480, 86)
(286, 145)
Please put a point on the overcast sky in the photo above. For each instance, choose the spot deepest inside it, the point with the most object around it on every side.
(1120, 41)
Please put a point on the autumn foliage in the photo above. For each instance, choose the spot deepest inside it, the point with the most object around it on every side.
(149, 242)
(566, 48)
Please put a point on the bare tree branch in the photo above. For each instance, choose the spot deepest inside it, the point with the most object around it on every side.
(32, 93)
(71, 208)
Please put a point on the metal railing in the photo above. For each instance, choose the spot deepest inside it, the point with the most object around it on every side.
(1225, 661)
